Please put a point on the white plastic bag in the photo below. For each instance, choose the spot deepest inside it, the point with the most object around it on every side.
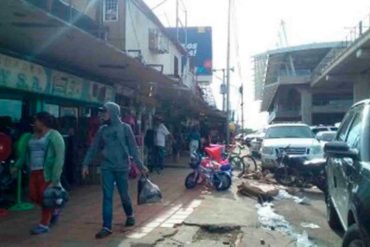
(148, 192)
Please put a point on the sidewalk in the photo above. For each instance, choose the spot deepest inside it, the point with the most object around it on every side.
(82, 216)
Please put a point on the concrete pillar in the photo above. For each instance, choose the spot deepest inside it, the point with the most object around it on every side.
(361, 88)
(306, 106)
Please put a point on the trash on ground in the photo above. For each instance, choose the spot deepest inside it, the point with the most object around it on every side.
(273, 221)
(310, 225)
(255, 189)
(303, 241)
(283, 194)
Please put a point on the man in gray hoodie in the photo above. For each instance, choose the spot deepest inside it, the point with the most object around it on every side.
(117, 142)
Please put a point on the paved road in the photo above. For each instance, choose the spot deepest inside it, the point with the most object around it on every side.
(200, 217)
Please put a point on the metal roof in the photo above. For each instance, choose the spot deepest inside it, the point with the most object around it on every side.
(38, 35)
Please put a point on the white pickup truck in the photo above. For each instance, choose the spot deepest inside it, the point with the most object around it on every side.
(298, 137)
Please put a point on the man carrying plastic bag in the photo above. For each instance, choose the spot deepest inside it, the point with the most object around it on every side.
(118, 144)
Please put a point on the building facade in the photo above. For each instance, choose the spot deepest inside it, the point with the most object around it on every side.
(288, 95)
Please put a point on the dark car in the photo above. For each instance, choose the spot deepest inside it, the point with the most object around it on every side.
(348, 177)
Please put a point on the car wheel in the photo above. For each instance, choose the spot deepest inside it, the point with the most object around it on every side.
(352, 237)
(332, 216)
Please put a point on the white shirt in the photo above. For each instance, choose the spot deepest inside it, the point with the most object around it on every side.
(162, 132)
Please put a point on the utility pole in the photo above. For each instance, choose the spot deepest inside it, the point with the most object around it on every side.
(241, 90)
(177, 20)
(228, 75)
(223, 93)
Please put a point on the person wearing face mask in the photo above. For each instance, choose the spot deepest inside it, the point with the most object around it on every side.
(44, 154)
(117, 142)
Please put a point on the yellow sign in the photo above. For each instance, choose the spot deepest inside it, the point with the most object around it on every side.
(23, 75)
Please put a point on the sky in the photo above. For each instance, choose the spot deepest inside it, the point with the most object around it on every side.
(255, 29)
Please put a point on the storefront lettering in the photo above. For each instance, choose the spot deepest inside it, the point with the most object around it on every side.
(22, 81)
(23, 75)
(19, 74)
(36, 86)
(4, 76)
(67, 86)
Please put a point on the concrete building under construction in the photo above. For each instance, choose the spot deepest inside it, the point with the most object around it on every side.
(287, 92)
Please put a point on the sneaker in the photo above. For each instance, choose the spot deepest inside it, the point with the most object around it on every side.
(40, 229)
(130, 221)
(103, 233)
(54, 220)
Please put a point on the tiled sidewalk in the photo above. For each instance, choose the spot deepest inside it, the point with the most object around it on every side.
(82, 217)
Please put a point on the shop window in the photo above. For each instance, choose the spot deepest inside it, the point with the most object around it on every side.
(52, 109)
(68, 112)
(110, 9)
(11, 108)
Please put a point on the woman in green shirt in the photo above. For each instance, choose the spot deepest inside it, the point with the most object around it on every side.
(43, 152)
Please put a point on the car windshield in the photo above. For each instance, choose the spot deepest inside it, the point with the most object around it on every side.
(289, 132)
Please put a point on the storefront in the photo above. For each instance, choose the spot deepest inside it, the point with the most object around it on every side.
(27, 88)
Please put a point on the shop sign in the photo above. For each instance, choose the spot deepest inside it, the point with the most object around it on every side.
(198, 43)
(65, 85)
(23, 75)
(100, 93)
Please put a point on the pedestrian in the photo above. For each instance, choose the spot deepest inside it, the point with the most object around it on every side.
(118, 144)
(160, 141)
(194, 139)
(44, 154)
(176, 145)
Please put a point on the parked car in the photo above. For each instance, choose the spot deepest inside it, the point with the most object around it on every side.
(348, 177)
(254, 136)
(320, 128)
(298, 137)
(326, 136)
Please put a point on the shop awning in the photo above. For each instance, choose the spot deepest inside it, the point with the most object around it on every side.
(47, 39)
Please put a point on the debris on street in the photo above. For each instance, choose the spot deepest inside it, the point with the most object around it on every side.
(256, 189)
(310, 225)
(283, 195)
(276, 222)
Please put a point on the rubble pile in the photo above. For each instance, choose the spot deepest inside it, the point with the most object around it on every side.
(263, 176)
(256, 189)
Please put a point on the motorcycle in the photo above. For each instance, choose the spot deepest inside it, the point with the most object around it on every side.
(297, 170)
(211, 169)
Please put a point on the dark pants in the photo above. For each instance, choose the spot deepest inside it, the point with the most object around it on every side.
(108, 179)
(160, 152)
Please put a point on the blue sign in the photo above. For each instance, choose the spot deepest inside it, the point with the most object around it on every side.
(198, 45)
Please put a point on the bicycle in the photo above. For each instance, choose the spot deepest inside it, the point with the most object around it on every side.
(239, 161)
